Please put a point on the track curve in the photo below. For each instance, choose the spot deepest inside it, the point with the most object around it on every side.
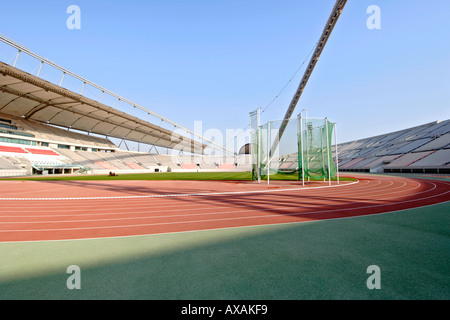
(62, 210)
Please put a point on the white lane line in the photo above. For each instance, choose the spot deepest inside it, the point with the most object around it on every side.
(178, 194)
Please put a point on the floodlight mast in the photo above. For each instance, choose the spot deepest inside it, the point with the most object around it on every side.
(332, 20)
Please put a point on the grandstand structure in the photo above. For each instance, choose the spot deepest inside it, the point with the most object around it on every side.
(421, 149)
(31, 147)
(47, 128)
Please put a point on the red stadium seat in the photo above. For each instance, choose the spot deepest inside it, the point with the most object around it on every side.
(105, 165)
(189, 166)
(42, 151)
(133, 165)
(12, 149)
(227, 166)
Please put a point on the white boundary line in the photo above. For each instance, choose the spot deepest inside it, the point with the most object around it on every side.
(179, 194)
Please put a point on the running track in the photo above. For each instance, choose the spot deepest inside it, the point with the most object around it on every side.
(59, 210)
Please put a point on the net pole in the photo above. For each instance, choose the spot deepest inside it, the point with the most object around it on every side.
(258, 162)
(307, 146)
(259, 155)
(301, 148)
(328, 151)
(322, 129)
(337, 153)
(252, 148)
(268, 152)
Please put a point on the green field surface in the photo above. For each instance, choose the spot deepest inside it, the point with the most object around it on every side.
(201, 176)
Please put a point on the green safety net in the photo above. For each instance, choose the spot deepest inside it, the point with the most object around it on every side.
(304, 150)
(254, 124)
(315, 156)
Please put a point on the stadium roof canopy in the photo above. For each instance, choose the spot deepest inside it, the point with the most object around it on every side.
(27, 96)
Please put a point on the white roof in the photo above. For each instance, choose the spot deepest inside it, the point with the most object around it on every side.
(25, 95)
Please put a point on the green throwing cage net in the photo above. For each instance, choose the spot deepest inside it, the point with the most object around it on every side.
(315, 156)
(302, 152)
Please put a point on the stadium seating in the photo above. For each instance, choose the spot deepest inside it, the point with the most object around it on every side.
(133, 165)
(46, 145)
(227, 166)
(189, 165)
(437, 159)
(57, 135)
(7, 164)
(42, 151)
(407, 159)
(11, 149)
(105, 165)
(424, 148)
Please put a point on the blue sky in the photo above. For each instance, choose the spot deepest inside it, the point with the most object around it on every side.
(216, 61)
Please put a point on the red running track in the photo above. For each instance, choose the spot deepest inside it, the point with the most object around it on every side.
(62, 210)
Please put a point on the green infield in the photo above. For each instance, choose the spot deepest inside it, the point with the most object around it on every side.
(146, 176)
(201, 176)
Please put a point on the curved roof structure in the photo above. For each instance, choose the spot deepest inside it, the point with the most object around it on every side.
(25, 95)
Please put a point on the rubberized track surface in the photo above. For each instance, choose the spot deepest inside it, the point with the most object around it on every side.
(66, 210)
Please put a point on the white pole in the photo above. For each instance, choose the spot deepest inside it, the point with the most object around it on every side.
(328, 151)
(258, 123)
(62, 78)
(307, 147)
(259, 155)
(337, 154)
(322, 129)
(301, 149)
(40, 67)
(82, 88)
(268, 152)
(255, 166)
(15, 60)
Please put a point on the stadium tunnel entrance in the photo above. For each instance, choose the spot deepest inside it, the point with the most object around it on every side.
(56, 169)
